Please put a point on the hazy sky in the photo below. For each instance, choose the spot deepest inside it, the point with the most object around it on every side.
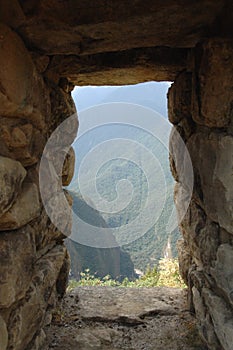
(152, 95)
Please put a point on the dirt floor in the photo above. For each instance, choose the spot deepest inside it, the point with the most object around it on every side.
(113, 318)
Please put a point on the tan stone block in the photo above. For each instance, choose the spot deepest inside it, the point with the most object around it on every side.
(68, 168)
(12, 175)
(17, 251)
(40, 296)
(212, 85)
(11, 13)
(21, 141)
(179, 98)
(22, 90)
(3, 335)
(25, 209)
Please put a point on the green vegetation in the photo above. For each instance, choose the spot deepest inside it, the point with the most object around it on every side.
(142, 250)
(166, 274)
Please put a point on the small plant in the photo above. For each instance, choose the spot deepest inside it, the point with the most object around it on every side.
(166, 274)
(88, 280)
(169, 274)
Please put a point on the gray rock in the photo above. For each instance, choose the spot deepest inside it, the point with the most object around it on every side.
(39, 342)
(68, 167)
(3, 335)
(213, 170)
(42, 294)
(205, 324)
(222, 272)
(185, 259)
(17, 251)
(111, 318)
(222, 318)
(201, 236)
(126, 303)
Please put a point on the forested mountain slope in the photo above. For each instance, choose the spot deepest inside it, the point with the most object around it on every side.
(148, 247)
(100, 261)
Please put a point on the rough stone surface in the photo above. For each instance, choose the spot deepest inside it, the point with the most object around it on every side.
(113, 318)
(25, 209)
(73, 31)
(12, 175)
(201, 236)
(68, 168)
(116, 68)
(205, 254)
(45, 48)
(83, 28)
(47, 233)
(215, 155)
(129, 304)
(17, 258)
(185, 259)
(21, 141)
(3, 335)
(212, 102)
(205, 323)
(22, 90)
(222, 271)
(40, 296)
(34, 261)
(180, 98)
(222, 318)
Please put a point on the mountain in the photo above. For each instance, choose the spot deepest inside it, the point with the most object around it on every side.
(128, 180)
(101, 261)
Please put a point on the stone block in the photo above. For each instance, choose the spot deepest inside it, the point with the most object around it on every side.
(25, 209)
(222, 318)
(212, 84)
(222, 271)
(205, 325)
(185, 259)
(60, 211)
(3, 335)
(46, 233)
(17, 251)
(179, 98)
(201, 236)
(21, 141)
(68, 168)
(11, 13)
(12, 174)
(22, 90)
(213, 164)
(62, 107)
(180, 161)
(27, 318)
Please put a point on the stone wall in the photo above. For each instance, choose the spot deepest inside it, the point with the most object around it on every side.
(45, 48)
(201, 108)
(34, 261)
